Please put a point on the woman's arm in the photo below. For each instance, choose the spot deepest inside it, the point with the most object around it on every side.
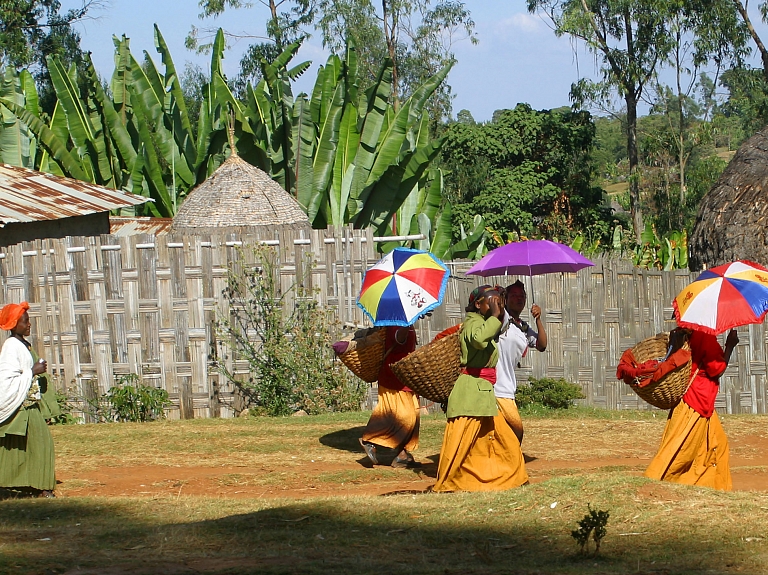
(730, 343)
(541, 341)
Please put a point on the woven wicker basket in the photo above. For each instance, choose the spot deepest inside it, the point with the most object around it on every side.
(432, 369)
(667, 392)
(366, 358)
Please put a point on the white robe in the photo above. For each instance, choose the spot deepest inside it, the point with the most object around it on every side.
(15, 376)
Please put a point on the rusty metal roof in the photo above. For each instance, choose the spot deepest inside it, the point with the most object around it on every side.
(30, 196)
(124, 226)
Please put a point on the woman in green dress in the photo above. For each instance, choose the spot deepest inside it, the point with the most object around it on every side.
(26, 400)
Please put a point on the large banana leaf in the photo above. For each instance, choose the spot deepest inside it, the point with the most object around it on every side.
(304, 133)
(182, 128)
(56, 148)
(370, 129)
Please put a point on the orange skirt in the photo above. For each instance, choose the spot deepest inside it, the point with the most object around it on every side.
(508, 409)
(694, 451)
(479, 454)
(394, 422)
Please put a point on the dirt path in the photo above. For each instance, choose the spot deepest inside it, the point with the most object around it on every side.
(750, 473)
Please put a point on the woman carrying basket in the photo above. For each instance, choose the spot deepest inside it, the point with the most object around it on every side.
(694, 448)
(479, 452)
(394, 423)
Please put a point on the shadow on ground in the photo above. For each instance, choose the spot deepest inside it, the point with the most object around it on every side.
(411, 533)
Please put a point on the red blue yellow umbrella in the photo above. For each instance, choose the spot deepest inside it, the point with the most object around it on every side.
(724, 297)
(402, 286)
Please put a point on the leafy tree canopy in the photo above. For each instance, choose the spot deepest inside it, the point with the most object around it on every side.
(527, 173)
(32, 30)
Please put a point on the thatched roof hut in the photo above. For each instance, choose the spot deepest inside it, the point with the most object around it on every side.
(732, 223)
(238, 197)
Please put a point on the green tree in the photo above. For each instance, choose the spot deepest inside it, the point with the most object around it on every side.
(528, 173)
(417, 36)
(286, 24)
(33, 30)
(631, 39)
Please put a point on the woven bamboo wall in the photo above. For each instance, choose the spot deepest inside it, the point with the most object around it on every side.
(111, 306)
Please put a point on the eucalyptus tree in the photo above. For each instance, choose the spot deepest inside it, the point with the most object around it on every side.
(416, 35)
(630, 39)
(287, 23)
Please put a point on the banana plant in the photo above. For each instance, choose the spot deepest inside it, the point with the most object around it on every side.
(18, 144)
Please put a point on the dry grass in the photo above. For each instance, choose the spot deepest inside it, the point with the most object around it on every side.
(654, 528)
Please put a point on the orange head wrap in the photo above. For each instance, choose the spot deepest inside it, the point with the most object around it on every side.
(11, 314)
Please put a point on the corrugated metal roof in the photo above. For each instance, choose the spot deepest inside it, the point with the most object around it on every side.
(122, 226)
(30, 196)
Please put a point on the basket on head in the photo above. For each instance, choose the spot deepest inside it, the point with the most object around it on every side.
(669, 390)
(365, 353)
(431, 370)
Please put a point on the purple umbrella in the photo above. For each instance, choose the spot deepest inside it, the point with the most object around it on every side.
(530, 258)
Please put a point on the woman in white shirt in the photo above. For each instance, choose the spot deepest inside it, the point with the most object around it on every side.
(26, 400)
(515, 339)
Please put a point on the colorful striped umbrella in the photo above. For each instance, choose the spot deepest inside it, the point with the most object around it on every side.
(724, 297)
(402, 286)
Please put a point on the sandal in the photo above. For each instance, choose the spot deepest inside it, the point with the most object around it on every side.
(370, 451)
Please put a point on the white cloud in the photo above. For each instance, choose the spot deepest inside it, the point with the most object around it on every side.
(521, 22)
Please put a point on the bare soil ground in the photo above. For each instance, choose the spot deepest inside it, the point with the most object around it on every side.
(552, 448)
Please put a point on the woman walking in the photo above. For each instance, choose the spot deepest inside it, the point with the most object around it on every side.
(479, 452)
(694, 448)
(26, 400)
(394, 423)
(515, 340)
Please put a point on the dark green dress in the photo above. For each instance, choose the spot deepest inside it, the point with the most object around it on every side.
(26, 445)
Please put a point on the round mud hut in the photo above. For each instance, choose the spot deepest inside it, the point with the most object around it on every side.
(732, 222)
(238, 197)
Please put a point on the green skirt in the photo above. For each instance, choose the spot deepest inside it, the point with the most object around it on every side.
(28, 460)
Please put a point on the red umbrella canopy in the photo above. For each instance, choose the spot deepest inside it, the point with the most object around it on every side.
(724, 297)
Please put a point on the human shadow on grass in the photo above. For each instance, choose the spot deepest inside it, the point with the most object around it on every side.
(344, 439)
(412, 532)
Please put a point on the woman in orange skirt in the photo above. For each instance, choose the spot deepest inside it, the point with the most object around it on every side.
(394, 423)
(480, 451)
(694, 449)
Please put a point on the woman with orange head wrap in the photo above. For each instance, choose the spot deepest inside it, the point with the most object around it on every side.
(26, 400)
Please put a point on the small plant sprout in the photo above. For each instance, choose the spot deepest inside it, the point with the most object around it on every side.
(594, 524)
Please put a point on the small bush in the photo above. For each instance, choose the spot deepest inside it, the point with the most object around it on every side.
(65, 417)
(292, 365)
(130, 400)
(594, 523)
(547, 392)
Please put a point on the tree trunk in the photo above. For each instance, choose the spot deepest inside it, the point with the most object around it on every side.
(634, 178)
(390, 36)
(760, 46)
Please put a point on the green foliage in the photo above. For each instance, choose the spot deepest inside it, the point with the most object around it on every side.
(291, 362)
(132, 401)
(66, 408)
(548, 392)
(668, 253)
(595, 524)
(526, 173)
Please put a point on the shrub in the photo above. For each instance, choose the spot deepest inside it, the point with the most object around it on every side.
(130, 400)
(291, 362)
(547, 392)
(65, 417)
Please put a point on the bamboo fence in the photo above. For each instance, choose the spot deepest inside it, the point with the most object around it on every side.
(106, 307)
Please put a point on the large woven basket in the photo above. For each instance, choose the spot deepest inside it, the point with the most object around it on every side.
(367, 356)
(667, 392)
(432, 369)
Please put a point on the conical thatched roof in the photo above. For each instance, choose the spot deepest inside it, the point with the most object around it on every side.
(732, 223)
(238, 195)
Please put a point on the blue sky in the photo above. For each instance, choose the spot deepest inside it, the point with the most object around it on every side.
(518, 58)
